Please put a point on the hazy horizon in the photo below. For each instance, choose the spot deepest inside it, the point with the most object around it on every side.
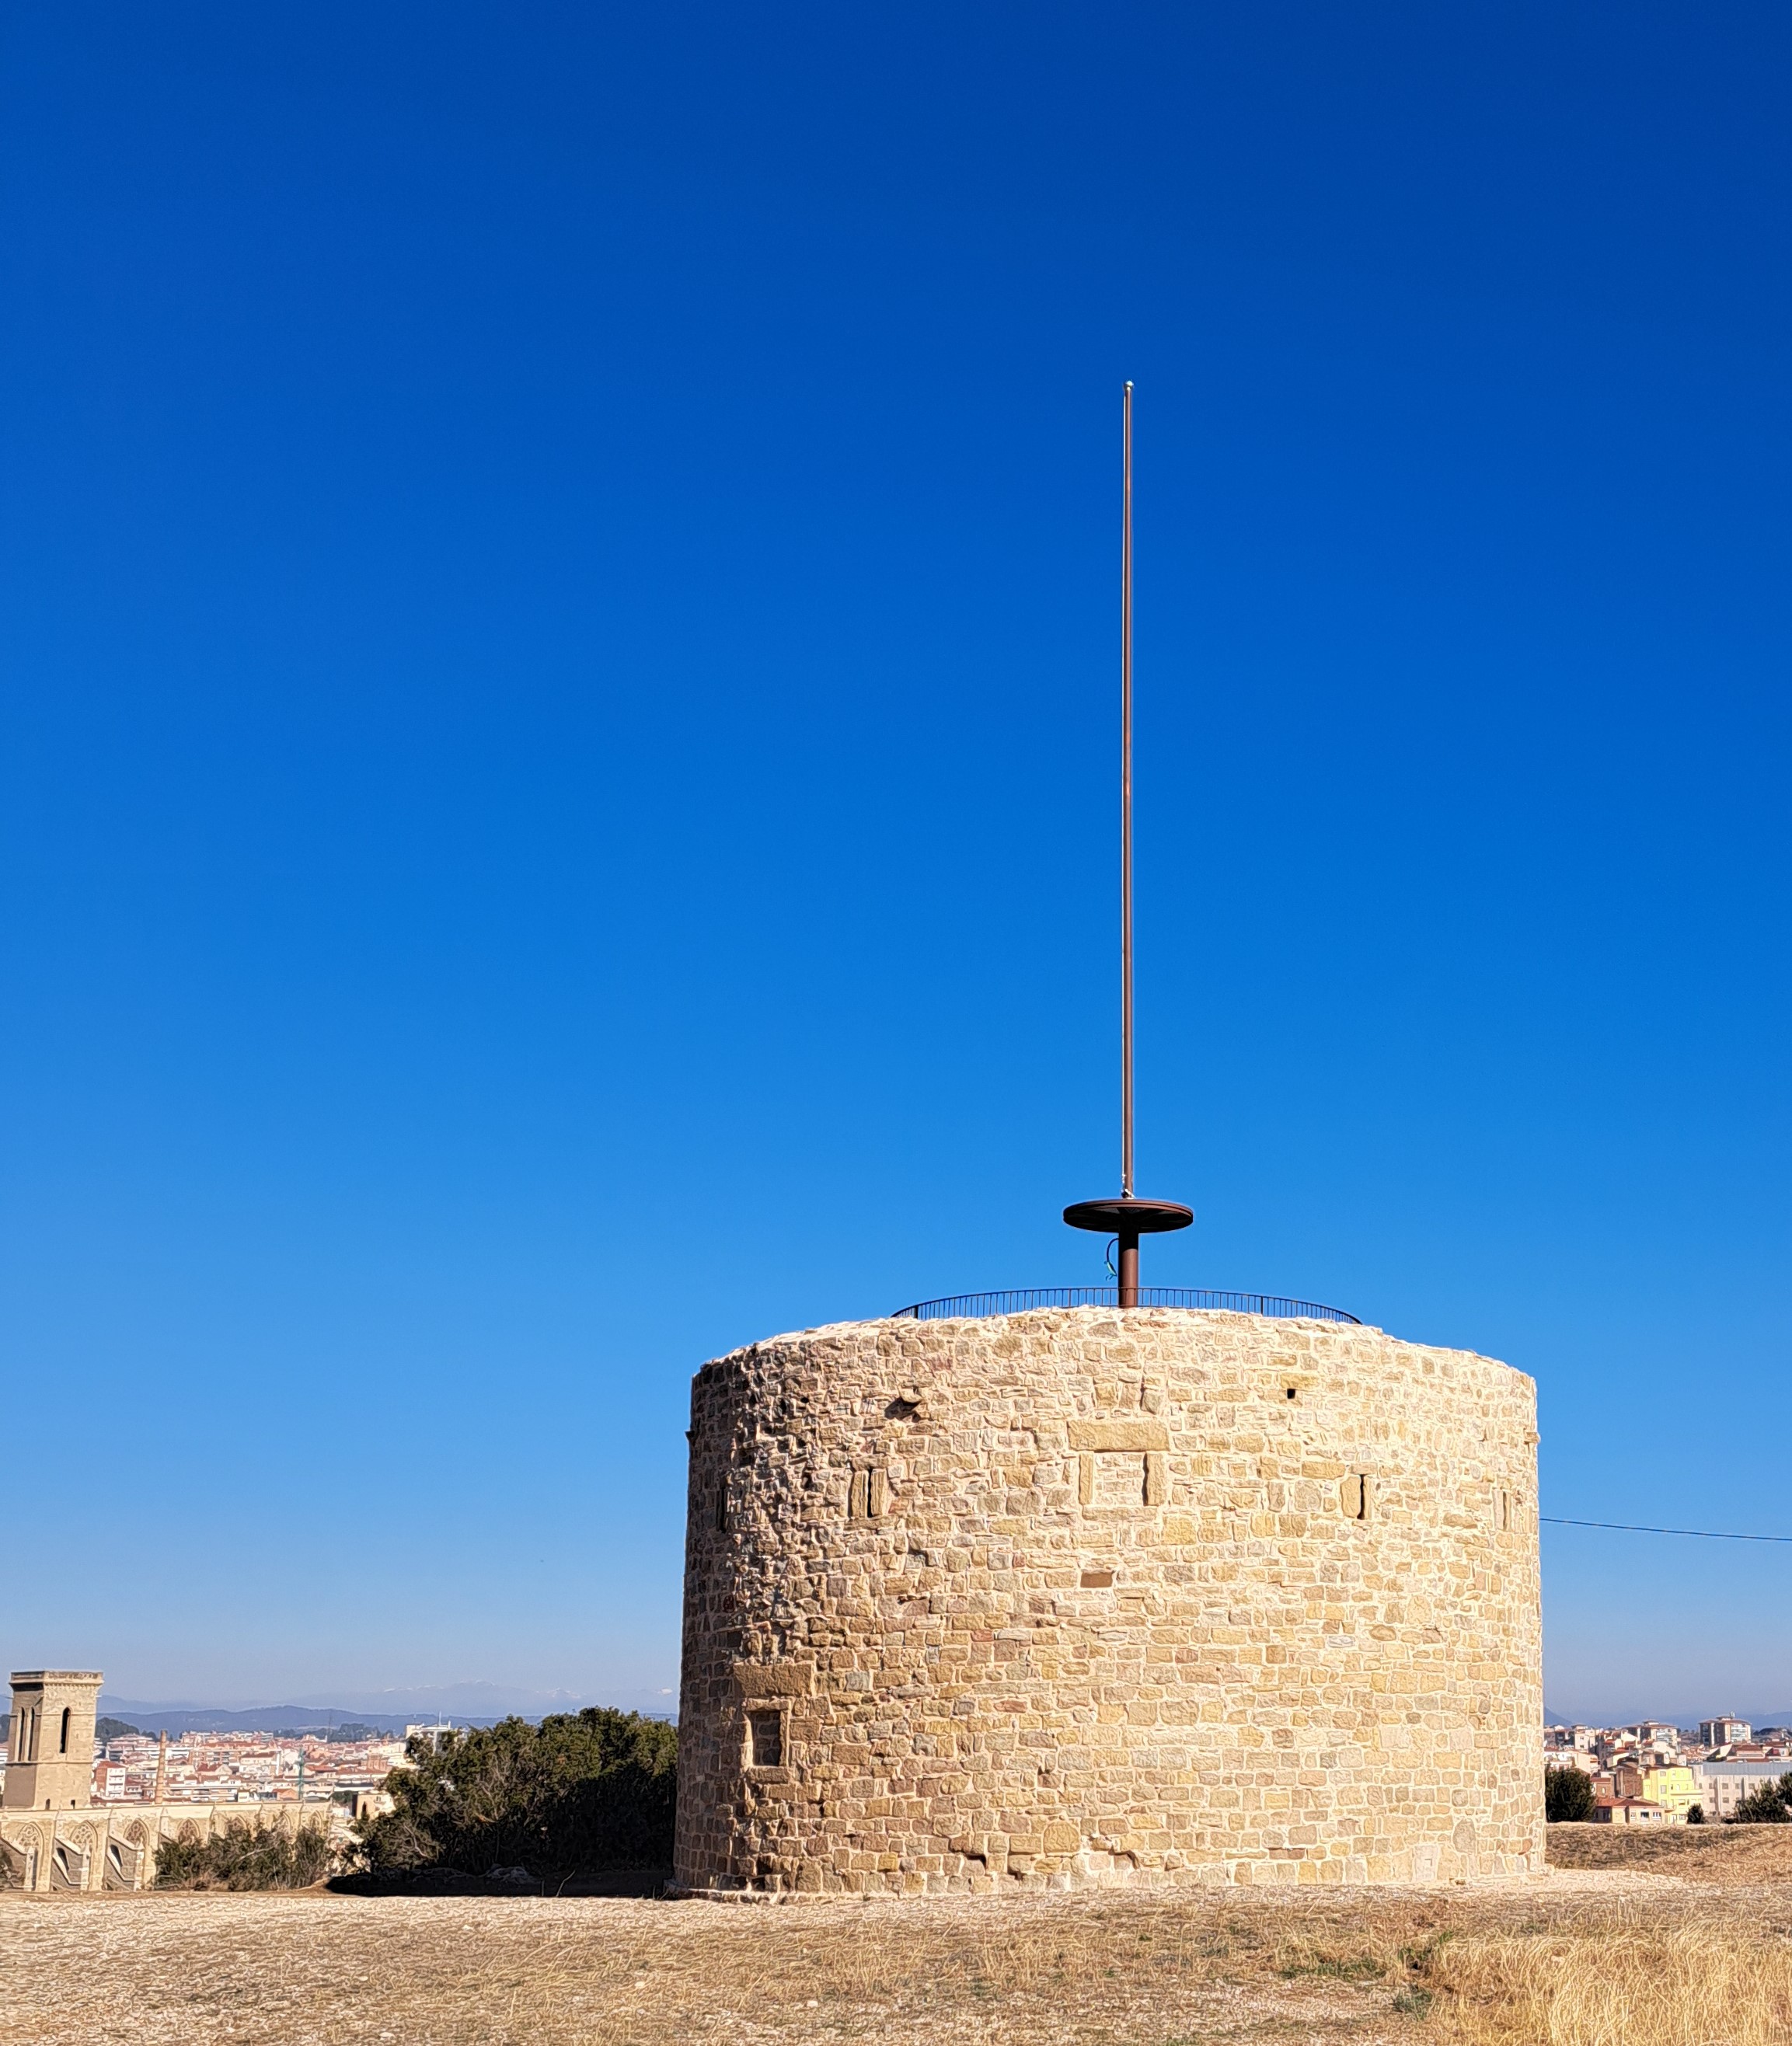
(477, 1700)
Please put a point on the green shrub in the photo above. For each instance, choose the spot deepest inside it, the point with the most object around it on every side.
(1769, 1804)
(244, 1857)
(575, 1794)
(1567, 1794)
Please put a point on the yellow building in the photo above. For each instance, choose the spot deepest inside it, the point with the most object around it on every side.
(1674, 1789)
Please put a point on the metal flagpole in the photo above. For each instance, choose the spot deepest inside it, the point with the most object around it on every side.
(1126, 799)
(1127, 1218)
(1129, 1239)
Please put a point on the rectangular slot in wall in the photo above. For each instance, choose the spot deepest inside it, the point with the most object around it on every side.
(1156, 1477)
(765, 1739)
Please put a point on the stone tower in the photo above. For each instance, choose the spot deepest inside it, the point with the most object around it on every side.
(1085, 1596)
(50, 1739)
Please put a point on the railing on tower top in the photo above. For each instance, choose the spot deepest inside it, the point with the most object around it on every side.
(970, 1306)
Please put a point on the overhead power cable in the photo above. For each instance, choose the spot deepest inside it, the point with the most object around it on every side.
(1695, 1533)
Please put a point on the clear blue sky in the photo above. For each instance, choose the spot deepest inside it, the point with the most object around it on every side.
(558, 613)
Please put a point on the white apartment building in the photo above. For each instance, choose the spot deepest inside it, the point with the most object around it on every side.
(1655, 1733)
(1724, 1785)
(1585, 1738)
(1571, 1758)
(1724, 1733)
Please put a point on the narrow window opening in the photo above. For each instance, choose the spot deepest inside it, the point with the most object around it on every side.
(1502, 1514)
(1156, 1477)
(721, 1509)
(765, 1739)
(1292, 1390)
(67, 1714)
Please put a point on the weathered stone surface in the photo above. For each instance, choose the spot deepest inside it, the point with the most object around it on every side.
(1118, 1435)
(775, 1680)
(1077, 1597)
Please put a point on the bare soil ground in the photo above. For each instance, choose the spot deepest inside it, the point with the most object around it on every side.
(1653, 1940)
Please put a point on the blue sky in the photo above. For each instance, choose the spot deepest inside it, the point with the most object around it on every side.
(557, 686)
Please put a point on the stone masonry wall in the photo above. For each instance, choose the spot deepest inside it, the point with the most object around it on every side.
(115, 1846)
(1077, 1596)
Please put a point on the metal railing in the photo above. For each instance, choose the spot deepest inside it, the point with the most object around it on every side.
(1020, 1301)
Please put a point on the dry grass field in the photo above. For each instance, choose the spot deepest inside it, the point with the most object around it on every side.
(1702, 1854)
(1678, 1939)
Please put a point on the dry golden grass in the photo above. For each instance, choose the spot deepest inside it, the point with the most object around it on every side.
(1606, 1958)
(1702, 1854)
(1705, 1981)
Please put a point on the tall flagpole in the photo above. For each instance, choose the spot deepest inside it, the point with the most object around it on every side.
(1126, 803)
(1127, 1218)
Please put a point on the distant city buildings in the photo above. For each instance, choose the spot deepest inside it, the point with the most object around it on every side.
(1653, 1774)
(78, 1813)
(1632, 1812)
(196, 1768)
(1726, 1780)
(241, 1768)
(1724, 1733)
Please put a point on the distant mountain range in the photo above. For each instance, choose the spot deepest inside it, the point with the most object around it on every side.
(464, 1704)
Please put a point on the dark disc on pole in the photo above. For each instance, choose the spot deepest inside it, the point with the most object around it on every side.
(1127, 1217)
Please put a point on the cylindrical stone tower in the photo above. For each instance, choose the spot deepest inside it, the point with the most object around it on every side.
(1082, 1597)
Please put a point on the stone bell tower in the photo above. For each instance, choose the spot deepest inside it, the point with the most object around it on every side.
(50, 1739)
